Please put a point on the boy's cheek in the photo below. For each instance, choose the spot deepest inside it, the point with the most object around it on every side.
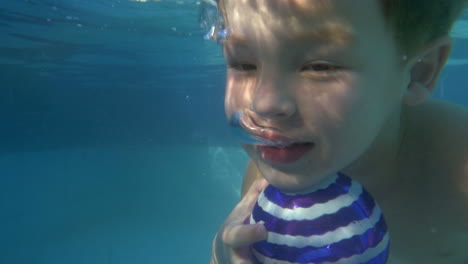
(238, 95)
(232, 100)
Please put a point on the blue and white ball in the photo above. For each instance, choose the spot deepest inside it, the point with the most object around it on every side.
(337, 222)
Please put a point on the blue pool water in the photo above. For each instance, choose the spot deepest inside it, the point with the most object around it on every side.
(113, 143)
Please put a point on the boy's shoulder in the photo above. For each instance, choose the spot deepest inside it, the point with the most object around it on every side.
(442, 126)
(439, 131)
(436, 161)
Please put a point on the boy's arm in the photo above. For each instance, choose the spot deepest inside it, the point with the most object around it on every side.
(251, 174)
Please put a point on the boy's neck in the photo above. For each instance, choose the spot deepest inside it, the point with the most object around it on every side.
(378, 168)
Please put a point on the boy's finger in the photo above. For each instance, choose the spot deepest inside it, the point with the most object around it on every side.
(254, 191)
(244, 208)
(237, 236)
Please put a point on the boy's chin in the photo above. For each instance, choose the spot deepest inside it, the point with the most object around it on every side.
(297, 181)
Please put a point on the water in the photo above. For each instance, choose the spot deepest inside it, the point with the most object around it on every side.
(101, 102)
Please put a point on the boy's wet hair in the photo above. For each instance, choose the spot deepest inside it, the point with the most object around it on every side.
(418, 22)
(415, 22)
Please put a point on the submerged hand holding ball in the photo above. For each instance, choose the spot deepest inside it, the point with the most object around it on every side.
(337, 222)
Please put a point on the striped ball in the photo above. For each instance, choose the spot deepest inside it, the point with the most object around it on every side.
(336, 222)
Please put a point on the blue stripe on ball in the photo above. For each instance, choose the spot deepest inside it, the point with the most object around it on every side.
(346, 248)
(381, 258)
(315, 211)
(319, 225)
(294, 201)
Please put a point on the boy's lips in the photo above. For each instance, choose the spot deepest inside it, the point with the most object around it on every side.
(284, 155)
(282, 149)
(264, 134)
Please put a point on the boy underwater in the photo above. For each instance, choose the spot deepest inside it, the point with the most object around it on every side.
(348, 83)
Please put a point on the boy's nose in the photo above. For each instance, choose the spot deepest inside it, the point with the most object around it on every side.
(272, 99)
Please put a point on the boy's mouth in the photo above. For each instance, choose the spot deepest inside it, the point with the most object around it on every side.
(271, 145)
(284, 154)
(265, 136)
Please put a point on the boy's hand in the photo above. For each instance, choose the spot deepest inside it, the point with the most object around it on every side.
(232, 243)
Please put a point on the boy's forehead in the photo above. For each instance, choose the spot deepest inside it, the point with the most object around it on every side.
(271, 5)
(319, 19)
(274, 11)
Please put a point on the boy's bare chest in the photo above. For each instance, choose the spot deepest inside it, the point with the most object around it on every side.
(422, 235)
(426, 207)
(427, 224)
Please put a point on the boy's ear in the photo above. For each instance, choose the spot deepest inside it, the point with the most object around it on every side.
(425, 70)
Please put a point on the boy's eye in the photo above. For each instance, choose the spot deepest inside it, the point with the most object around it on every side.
(245, 67)
(322, 71)
(320, 67)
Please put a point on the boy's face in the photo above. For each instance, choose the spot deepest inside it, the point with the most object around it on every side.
(325, 74)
